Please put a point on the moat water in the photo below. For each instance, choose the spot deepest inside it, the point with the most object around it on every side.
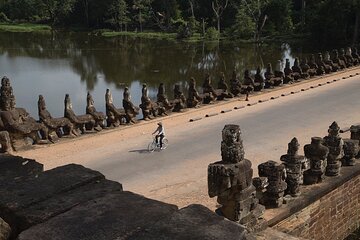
(53, 64)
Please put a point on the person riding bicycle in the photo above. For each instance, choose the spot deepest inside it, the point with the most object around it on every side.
(161, 133)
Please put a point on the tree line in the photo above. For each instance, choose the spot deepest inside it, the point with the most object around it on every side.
(323, 20)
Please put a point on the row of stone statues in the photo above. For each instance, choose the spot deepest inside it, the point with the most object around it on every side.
(242, 198)
(21, 126)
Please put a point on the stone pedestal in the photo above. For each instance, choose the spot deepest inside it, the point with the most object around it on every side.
(355, 135)
(335, 144)
(317, 154)
(295, 166)
(275, 173)
(231, 181)
(351, 150)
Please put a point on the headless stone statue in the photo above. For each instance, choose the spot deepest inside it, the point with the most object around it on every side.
(99, 117)
(57, 126)
(317, 154)
(259, 81)
(208, 90)
(276, 175)
(147, 106)
(162, 99)
(179, 99)
(336, 60)
(335, 144)
(194, 99)
(248, 84)
(295, 166)
(235, 85)
(81, 122)
(131, 110)
(222, 85)
(270, 79)
(231, 180)
(114, 115)
(288, 73)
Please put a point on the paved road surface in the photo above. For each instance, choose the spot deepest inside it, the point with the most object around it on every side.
(267, 128)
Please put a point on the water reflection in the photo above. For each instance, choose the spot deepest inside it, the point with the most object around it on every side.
(62, 62)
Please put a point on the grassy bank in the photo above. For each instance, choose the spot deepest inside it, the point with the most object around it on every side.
(157, 35)
(23, 27)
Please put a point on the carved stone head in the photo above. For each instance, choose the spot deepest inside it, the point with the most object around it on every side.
(89, 100)
(293, 147)
(334, 129)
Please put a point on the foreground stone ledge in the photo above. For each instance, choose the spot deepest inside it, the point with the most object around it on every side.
(194, 222)
(13, 168)
(19, 195)
(114, 216)
(5, 230)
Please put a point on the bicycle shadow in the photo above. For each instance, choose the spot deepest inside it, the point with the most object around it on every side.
(142, 151)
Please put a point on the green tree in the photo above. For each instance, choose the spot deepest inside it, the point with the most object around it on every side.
(144, 11)
(58, 11)
(118, 14)
(244, 26)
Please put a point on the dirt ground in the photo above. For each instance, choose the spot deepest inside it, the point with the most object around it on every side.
(63, 152)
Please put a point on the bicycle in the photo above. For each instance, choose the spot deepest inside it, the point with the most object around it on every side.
(153, 145)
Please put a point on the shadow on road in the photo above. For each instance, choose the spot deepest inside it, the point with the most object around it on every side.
(140, 151)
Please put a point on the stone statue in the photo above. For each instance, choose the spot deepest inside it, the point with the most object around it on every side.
(194, 98)
(355, 55)
(131, 111)
(114, 116)
(270, 79)
(147, 106)
(288, 73)
(209, 92)
(5, 141)
(259, 81)
(20, 125)
(276, 175)
(81, 122)
(335, 58)
(6, 92)
(343, 57)
(298, 72)
(235, 85)
(295, 166)
(355, 135)
(57, 126)
(317, 154)
(224, 88)
(162, 99)
(179, 99)
(327, 60)
(323, 67)
(306, 68)
(248, 84)
(278, 73)
(99, 117)
(351, 150)
(318, 70)
(231, 180)
(349, 57)
(335, 144)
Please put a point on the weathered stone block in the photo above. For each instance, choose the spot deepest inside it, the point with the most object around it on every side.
(15, 168)
(19, 195)
(114, 216)
(194, 222)
(60, 203)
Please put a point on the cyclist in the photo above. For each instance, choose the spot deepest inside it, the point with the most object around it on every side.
(161, 133)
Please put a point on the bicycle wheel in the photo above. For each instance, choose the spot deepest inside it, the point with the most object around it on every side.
(165, 143)
(152, 146)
